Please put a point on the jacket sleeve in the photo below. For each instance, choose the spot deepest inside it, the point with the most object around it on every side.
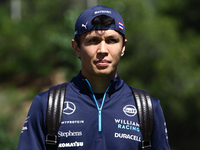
(159, 137)
(34, 129)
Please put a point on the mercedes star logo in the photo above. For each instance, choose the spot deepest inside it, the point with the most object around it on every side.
(69, 108)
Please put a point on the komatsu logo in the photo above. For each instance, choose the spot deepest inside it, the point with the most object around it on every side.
(130, 110)
(73, 144)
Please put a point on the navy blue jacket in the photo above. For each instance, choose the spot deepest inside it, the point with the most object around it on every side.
(92, 121)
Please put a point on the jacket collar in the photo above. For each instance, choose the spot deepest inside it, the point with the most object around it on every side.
(81, 84)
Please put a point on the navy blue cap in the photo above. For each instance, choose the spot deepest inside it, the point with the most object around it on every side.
(84, 21)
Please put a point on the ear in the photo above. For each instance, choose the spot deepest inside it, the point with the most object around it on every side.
(123, 48)
(76, 48)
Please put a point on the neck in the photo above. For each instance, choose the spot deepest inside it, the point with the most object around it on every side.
(100, 84)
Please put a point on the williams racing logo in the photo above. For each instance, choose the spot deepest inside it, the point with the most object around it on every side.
(130, 110)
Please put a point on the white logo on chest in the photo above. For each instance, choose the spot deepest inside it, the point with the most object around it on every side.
(130, 110)
(69, 108)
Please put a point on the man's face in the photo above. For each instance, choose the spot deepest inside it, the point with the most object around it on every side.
(100, 52)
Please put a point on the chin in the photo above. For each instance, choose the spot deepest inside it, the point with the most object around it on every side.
(105, 73)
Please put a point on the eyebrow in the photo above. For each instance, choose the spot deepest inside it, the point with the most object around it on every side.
(96, 36)
(113, 36)
(91, 36)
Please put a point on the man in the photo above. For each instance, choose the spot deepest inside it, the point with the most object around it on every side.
(94, 115)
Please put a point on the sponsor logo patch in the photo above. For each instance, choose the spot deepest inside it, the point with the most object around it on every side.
(72, 144)
(84, 25)
(130, 110)
(127, 125)
(127, 136)
(69, 133)
(102, 12)
(69, 108)
(73, 122)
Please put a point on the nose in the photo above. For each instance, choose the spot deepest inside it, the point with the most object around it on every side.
(102, 48)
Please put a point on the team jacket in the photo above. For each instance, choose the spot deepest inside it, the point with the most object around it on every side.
(90, 121)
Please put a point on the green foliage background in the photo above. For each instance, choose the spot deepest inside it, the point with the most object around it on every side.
(162, 56)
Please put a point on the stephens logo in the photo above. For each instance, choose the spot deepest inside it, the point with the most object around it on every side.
(67, 134)
(69, 108)
(130, 110)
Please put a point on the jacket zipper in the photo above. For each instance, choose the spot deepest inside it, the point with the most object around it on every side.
(99, 119)
(99, 108)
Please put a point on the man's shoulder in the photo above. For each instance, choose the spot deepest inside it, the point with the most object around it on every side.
(155, 100)
(42, 95)
(45, 93)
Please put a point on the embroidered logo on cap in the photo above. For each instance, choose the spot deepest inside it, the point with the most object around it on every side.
(102, 12)
(84, 25)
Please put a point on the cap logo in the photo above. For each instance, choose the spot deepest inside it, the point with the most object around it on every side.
(84, 25)
(121, 26)
(102, 12)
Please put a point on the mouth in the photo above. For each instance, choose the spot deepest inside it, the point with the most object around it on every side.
(102, 63)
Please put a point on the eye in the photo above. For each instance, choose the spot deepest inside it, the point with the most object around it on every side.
(112, 40)
(92, 40)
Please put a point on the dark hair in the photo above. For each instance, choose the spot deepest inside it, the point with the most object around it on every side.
(101, 20)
